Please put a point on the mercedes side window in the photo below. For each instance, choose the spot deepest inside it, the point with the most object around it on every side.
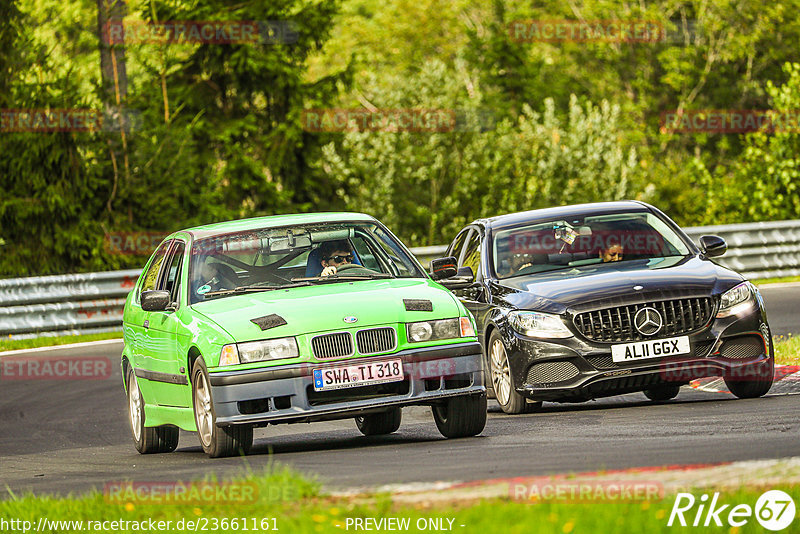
(472, 253)
(151, 276)
(455, 247)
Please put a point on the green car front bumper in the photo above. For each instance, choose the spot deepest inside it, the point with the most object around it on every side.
(286, 394)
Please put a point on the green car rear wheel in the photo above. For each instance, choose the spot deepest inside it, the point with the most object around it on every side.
(148, 440)
(378, 424)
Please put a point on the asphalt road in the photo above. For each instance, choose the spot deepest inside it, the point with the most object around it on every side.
(783, 308)
(71, 436)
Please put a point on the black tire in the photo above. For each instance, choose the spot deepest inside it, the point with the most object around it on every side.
(751, 389)
(662, 393)
(515, 403)
(378, 424)
(147, 440)
(218, 441)
(460, 417)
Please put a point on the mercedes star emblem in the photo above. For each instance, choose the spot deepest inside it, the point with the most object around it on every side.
(648, 321)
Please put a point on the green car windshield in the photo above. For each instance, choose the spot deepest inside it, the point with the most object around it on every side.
(276, 258)
(600, 239)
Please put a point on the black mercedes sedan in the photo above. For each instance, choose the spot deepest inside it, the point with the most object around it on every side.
(580, 302)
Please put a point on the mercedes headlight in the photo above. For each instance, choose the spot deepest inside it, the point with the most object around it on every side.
(736, 300)
(537, 324)
(259, 351)
(441, 329)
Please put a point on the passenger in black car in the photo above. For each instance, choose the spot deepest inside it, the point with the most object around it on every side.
(612, 253)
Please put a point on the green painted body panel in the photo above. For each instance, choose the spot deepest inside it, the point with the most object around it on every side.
(322, 308)
(166, 344)
(167, 415)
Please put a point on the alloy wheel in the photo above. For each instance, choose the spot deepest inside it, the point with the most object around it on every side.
(202, 406)
(501, 374)
(135, 407)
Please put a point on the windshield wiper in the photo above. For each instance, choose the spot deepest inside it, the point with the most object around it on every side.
(254, 289)
(342, 277)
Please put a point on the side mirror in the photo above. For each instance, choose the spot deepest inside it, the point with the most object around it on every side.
(713, 246)
(155, 300)
(465, 274)
(463, 279)
(443, 268)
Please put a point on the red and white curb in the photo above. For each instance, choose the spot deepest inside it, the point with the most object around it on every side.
(670, 479)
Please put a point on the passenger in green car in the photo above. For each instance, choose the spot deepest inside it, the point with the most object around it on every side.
(213, 276)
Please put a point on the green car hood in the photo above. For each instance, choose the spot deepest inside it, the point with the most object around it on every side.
(323, 307)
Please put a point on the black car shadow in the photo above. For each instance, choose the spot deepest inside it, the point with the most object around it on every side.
(612, 403)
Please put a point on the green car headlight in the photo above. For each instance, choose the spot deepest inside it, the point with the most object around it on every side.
(259, 351)
(537, 324)
(736, 300)
(440, 329)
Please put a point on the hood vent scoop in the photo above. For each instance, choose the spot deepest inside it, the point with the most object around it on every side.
(418, 305)
(269, 321)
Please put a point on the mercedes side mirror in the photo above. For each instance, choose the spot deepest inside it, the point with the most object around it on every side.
(713, 246)
(155, 300)
(465, 274)
(442, 268)
(464, 278)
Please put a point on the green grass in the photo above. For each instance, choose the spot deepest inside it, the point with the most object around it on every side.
(787, 350)
(297, 505)
(776, 280)
(14, 344)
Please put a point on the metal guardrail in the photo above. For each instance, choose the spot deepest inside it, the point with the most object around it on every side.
(92, 302)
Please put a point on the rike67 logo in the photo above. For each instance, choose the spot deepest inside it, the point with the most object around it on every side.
(774, 510)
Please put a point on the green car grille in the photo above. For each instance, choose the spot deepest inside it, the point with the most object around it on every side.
(340, 344)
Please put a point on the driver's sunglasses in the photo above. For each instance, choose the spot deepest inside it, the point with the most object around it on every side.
(341, 259)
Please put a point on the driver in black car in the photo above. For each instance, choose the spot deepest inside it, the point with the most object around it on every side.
(333, 255)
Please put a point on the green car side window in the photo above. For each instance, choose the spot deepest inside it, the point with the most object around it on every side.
(173, 274)
(151, 276)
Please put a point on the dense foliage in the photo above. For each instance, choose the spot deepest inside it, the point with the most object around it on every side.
(217, 129)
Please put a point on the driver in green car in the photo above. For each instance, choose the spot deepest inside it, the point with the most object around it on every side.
(334, 254)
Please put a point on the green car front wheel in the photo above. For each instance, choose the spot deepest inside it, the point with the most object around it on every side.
(217, 441)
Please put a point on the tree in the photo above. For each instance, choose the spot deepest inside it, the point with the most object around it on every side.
(764, 183)
(428, 184)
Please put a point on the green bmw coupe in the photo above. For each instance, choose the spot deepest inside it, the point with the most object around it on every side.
(293, 318)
